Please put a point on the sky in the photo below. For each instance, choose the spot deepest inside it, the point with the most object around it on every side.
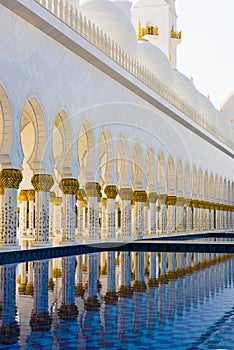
(207, 49)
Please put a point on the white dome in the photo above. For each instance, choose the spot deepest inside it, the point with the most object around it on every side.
(151, 3)
(206, 108)
(185, 89)
(125, 6)
(155, 61)
(228, 108)
(112, 20)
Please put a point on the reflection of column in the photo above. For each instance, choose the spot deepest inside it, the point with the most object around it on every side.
(42, 184)
(180, 224)
(152, 296)
(22, 286)
(162, 214)
(10, 179)
(31, 198)
(152, 209)
(93, 193)
(139, 198)
(68, 310)
(79, 277)
(171, 214)
(40, 319)
(111, 193)
(9, 330)
(69, 188)
(92, 303)
(80, 214)
(126, 197)
(23, 198)
(29, 285)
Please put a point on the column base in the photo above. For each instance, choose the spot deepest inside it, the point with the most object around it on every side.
(41, 244)
(10, 247)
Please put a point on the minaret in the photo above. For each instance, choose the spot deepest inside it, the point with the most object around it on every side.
(158, 22)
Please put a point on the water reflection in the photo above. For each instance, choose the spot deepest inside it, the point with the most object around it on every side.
(115, 300)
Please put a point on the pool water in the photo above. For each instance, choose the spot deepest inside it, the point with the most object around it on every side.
(119, 300)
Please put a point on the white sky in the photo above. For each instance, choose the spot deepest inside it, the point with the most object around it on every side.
(207, 49)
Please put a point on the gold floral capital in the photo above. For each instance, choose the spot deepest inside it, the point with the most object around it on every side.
(162, 198)
(111, 191)
(42, 182)
(23, 196)
(93, 189)
(11, 178)
(31, 195)
(126, 194)
(153, 196)
(80, 194)
(57, 201)
(180, 201)
(171, 200)
(52, 196)
(140, 196)
(69, 186)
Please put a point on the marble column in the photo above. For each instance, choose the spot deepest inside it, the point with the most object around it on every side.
(171, 215)
(69, 188)
(111, 193)
(140, 198)
(42, 184)
(152, 211)
(31, 223)
(206, 216)
(23, 199)
(194, 204)
(201, 216)
(10, 179)
(180, 224)
(126, 197)
(212, 223)
(93, 194)
(1, 213)
(51, 213)
(146, 218)
(188, 215)
(57, 215)
(80, 194)
(162, 198)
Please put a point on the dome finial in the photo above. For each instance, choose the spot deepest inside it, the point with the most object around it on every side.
(139, 36)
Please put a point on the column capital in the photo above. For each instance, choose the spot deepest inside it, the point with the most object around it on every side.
(69, 186)
(23, 196)
(57, 201)
(153, 196)
(111, 191)
(171, 200)
(194, 203)
(31, 195)
(162, 198)
(42, 182)
(126, 194)
(80, 194)
(11, 178)
(140, 196)
(52, 196)
(93, 189)
(180, 201)
(103, 202)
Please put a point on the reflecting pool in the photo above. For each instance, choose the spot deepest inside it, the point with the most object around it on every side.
(119, 300)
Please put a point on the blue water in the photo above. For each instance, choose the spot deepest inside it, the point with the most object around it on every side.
(119, 301)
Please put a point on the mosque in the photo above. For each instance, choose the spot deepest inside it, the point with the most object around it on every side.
(102, 138)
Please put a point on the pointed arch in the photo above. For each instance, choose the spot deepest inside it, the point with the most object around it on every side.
(107, 158)
(216, 188)
(200, 184)
(171, 176)
(179, 180)
(137, 167)
(5, 124)
(187, 181)
(212, 187)
(194, 183)
(206, 186)
(220, 190)
(150, 170)
(162, 178)
(86, 152)
(123, 163)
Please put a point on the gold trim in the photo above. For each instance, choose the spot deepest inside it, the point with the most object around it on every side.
(42, 182)
(126, 194)
(93, 189)
(69, 186)
(10, 178)
(111, 191)
(171, 200)
(140, 196)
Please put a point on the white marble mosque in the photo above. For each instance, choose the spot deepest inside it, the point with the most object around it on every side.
(101, 137)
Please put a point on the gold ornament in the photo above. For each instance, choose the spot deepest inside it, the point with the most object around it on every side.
(11, 178)
(93, 189)
(126, 194)
(23, 196)
(111, 191)
(153, 196)
(171, 200)
(42, 182)
(69, 186)
(31, 195)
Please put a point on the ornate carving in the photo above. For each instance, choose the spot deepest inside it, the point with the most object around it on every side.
(57, 201)
(23, 196)
(31, 195)
(153, 196)
(52, 196)
(11, 178)
(69, 186)
(42, 182)
(175, 35)
(140, 196)
(80, 194)
(171, 200)
(180, 201)
(111, 191)
(126, 194)
(195, 203)
(162, 198)
(93, 189)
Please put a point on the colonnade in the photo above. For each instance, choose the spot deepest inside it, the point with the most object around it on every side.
(98, 214)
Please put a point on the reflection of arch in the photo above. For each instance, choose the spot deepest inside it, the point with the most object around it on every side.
(179, 179)
(171, 176)
(106, 157)
(161, 174)
(187, 181)
(137, 167)
(206, 186)
(62, 143)
(200, 185)
(5, 123)
(150, 170)
(194, 183)
(86, 145)
(123, 163)
(33, 114)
